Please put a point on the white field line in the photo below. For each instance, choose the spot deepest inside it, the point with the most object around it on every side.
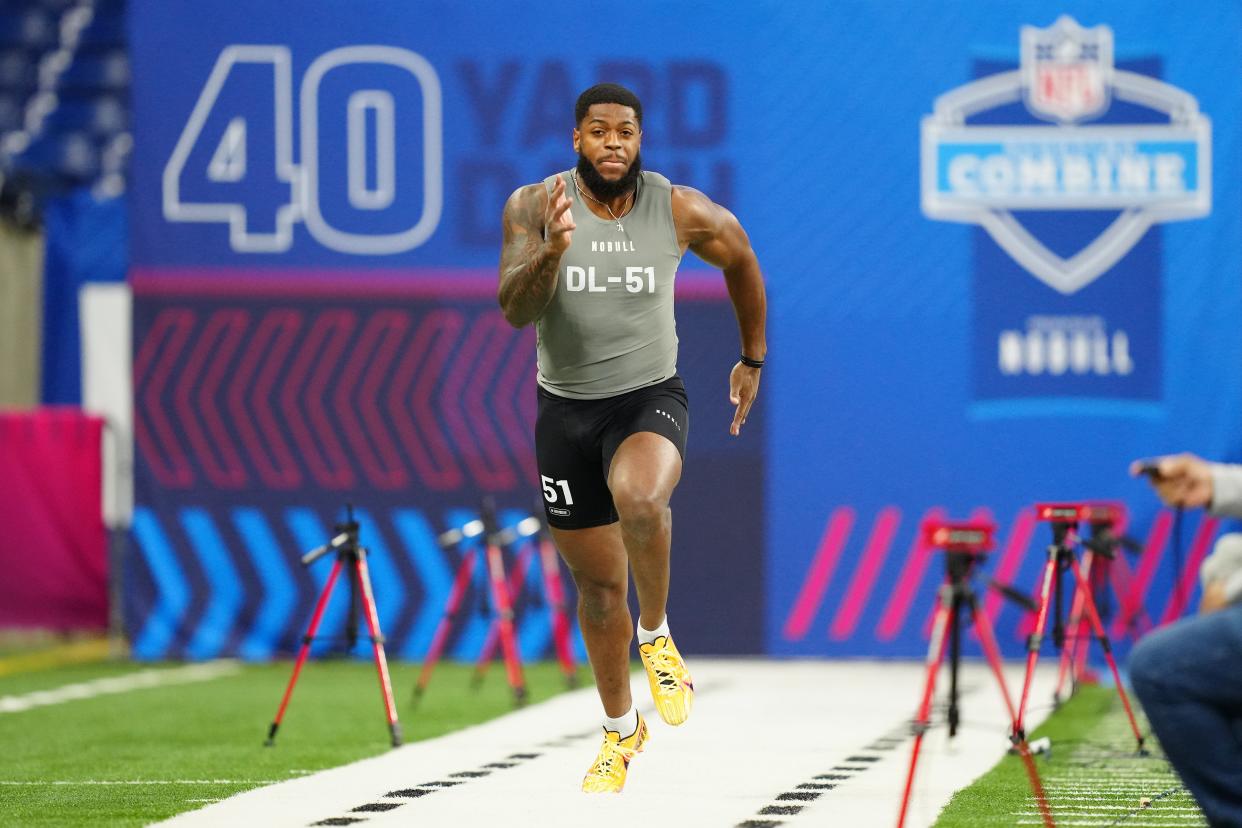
(141, 782)
(1094, 822)
(118, 684)
(1110, 808)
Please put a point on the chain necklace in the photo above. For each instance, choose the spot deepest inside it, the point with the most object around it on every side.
(615, 217)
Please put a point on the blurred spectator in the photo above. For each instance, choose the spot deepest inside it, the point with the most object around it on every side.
(1188, 675)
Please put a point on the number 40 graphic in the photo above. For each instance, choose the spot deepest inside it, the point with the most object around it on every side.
(226, 177)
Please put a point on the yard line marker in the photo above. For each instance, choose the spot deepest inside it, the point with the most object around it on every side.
(118, 684)
(139, 781)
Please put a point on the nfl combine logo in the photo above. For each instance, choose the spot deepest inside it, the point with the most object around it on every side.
(1067, 70)
(978, 171)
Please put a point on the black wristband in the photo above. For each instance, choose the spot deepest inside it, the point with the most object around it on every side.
(751, 363)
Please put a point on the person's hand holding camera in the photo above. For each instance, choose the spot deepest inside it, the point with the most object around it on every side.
(1181, 480)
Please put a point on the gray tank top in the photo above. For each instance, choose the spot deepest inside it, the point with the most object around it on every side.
(609, 328)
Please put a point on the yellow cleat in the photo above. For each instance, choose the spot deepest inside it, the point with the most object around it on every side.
(607, 775)
(672, 689)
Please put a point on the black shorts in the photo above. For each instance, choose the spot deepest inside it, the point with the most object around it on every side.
(576, 439)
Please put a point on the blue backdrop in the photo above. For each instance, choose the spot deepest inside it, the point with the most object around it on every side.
(947, 337)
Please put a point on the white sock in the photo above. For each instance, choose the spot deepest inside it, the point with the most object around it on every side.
(625, 724)
(647, 636)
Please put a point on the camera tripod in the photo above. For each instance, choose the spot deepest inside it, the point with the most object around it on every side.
(965, 546)
(496, 539)
(353, 558)
(1099, 551)
(1065, 519)
(541, 545)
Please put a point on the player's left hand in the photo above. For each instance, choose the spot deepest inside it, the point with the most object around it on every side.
(743, 388)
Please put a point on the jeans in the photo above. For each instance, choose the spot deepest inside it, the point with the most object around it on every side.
(1188, 677)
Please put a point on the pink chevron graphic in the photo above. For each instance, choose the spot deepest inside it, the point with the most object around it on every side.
(341, 397)
(229, 472)
(1134, 595)
(269, 347)
(430, 350)
(860, 587)
(153, 366)
(1184, 581)
(324, 455)
(527, 405)
(366, 369)
(818, 576)
(464, 395)
(517, 380)
(908, 581)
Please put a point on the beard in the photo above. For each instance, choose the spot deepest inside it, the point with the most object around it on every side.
(602, 188)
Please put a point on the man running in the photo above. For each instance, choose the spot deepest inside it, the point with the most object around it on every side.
(589, 256)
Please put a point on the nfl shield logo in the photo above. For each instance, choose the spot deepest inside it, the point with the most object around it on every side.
(1067, 70)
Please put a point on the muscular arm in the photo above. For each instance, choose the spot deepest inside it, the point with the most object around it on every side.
(717, 238)
(537, 229)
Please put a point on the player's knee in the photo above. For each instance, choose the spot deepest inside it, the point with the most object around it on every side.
(642, 513)
(601, 599)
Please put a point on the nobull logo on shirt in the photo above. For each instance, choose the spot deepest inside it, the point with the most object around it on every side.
(1066, 163)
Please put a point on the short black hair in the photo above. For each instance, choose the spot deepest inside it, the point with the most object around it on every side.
(607, 93)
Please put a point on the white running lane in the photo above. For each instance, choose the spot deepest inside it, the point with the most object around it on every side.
(796, 743)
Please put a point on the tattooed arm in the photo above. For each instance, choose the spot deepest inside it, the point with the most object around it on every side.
(537, 230)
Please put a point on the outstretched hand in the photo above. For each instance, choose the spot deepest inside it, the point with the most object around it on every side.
(558, 222)
(1181, 480)
(743, 388)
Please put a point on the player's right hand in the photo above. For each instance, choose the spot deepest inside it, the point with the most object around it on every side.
(558, 221)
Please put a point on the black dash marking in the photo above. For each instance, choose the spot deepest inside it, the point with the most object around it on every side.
(501, 765)
(787, 810)
(759, 823)
(862, 758)
(441, 784)
(854, 768)
(469, 774)
(377, 807)
(835, 776)
(410, 793)
(338, 821)
(799, 796)
(524, 755)
(817, 786)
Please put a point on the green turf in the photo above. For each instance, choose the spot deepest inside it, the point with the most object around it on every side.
(1093, 776)
(212, 733)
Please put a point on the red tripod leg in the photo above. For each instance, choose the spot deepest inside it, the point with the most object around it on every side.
(1107, 647)
(1037, 786)
(991, 651)
(987, 638)
(504, 612)
(555, 591)
(1078, 625)
(304, 651)
(461, 583)
(1037, 638)
(935, 657)
(1100, 575)
(377, 647)
(516, 579)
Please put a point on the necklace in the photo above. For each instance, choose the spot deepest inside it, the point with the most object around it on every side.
(615, 217)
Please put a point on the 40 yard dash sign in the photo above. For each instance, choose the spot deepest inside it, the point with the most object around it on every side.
(234, 162)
